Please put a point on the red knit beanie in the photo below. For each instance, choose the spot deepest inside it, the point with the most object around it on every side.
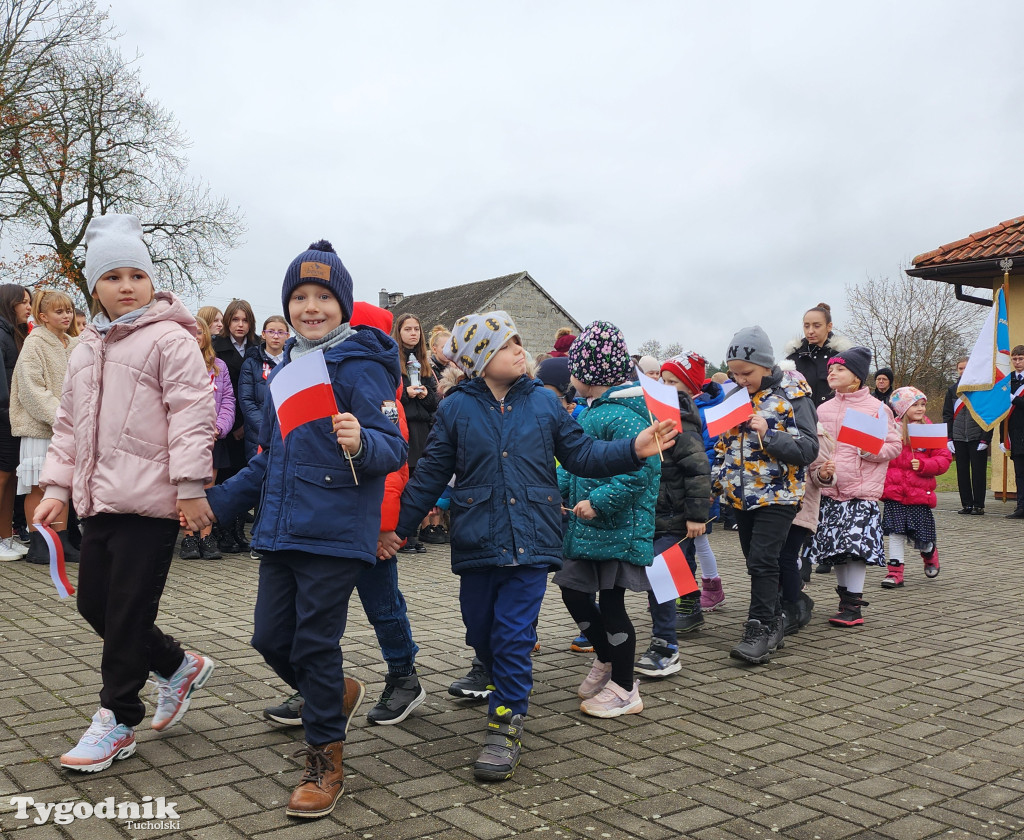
(688, 368)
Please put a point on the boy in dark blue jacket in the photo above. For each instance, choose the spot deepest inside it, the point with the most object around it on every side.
(317, 528)
(500, 432)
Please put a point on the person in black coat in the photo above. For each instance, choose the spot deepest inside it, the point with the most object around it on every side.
(1013, 428)
(883, 385)
(969, 444)
(230, 346)
(811, 353)
(15, 308)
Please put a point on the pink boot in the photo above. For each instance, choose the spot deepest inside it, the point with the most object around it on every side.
(711, 595)
(895, 576)
(931, 563)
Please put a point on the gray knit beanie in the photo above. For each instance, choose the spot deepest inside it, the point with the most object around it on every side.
(751, 344)
(115, 241)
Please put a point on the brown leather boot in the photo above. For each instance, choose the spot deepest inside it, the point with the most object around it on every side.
(322, 784)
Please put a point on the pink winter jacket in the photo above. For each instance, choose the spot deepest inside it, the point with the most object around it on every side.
(134, 430)
(857, 476)
(915, 487)
(224, 398)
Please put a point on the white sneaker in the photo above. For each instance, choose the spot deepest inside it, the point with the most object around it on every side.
(104, 742)
(11, 550)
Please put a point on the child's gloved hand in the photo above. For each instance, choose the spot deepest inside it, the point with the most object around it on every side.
(347, 428)
(646, 443)
(47, 511)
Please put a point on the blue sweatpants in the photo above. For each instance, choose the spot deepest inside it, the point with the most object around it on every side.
(301, 610)
(499, 608)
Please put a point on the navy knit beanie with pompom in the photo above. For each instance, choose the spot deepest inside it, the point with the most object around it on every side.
(321, 265)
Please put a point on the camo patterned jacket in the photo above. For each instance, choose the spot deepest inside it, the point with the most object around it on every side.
(749, 476)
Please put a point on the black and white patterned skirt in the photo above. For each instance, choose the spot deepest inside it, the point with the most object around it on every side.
(916, 522)
(847, 530)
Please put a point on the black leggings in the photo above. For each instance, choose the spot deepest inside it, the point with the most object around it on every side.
(607, 627)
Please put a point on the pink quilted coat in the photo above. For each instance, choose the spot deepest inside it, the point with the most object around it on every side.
(134, 430)
(857, 476)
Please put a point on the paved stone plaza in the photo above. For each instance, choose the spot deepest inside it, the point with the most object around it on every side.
(907, 728)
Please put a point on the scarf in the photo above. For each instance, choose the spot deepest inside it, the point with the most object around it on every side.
(303, 345)
(103, 324)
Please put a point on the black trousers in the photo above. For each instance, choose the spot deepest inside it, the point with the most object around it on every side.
(121, 576)
(1018, 477)
(970, 472)
(763, 532)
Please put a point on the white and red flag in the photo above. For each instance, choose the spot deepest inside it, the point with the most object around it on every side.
(729, 413)
(302, 392)
(662, 400)
(927, 435)
(58, 574)
(863, 431)
(670, 576)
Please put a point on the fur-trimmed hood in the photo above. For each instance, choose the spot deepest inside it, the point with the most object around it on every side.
(837, 341)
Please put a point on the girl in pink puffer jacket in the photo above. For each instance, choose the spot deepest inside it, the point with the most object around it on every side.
(849, 531)
(132, 442)
(910, 491)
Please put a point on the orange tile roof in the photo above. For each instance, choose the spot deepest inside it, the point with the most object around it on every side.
(1003, 240)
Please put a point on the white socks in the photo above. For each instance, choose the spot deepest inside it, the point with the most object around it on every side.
(852, 575)
(897, 544)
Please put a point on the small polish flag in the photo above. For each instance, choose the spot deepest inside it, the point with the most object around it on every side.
(670, 576)
(733, 410)
(302, 392)
(58, 574)
(927, 435)
(863, 431)
(662, 400)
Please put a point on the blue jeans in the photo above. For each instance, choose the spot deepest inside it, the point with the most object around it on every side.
(386, 611)
(499, 608)
(663, 616)
(301, 611)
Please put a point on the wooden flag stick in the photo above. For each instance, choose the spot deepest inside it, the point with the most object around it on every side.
(355, 478)
(657, 437)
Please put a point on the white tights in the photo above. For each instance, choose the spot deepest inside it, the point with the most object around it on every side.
(897, 544)
(852, 575)
(705, 556)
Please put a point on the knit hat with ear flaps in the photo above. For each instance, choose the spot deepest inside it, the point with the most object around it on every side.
(688, 368)
(857, 360)
(599, 356)
(321, 265)
(751, 344)
(477, 337)
(115, 241)
(902, 398)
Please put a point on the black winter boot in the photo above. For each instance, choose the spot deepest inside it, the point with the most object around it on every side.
(226, 539)
(239, 533)
(849, 611)
(38, 552)
(689, 616)
(401, 695)
(499, 757)
(753, 647)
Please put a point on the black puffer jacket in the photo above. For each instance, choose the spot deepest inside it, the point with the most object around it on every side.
(812, 362)
(685, 491)
(9, 351)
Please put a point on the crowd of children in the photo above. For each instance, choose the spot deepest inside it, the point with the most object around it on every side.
(557, 467)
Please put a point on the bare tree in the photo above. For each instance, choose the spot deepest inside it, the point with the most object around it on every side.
(652, 347)
(916, 327)
(91, 141)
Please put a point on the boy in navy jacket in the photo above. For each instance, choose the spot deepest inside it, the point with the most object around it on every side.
(500, 432)
(317, 529)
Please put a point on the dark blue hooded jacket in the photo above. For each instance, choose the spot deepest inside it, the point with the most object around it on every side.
(505, 506)
(307, 498)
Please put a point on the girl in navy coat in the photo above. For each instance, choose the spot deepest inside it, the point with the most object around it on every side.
(500, 432)
(252, 379)
(317, 527)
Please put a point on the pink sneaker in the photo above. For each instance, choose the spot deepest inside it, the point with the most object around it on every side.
(176, 691)
(597, 679)
(931, 563)
(613, 700)
(711, 594)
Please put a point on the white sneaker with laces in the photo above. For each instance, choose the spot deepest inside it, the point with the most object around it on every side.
(104, 742)
(176, 691)
(11, 550)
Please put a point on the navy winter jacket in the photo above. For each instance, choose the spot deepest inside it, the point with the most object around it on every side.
(505, 505)
(252, 394)
(308, 500)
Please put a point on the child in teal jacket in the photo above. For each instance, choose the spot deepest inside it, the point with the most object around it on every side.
(610, 537)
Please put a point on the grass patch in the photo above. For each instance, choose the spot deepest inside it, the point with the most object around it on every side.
(946, 483)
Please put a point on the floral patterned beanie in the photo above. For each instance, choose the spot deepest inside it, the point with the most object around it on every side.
(599, 356)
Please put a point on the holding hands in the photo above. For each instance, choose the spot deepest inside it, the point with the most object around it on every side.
(194, 514)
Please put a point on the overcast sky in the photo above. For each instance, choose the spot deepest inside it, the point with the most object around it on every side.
(680, 169)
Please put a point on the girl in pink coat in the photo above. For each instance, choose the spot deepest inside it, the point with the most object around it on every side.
(131, 442)
(910, 491)
(849, 531)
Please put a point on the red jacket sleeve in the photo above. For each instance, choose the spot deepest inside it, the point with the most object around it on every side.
(395, 482)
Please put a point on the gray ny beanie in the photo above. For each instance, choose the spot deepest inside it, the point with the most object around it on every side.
(115, 241)
(751, 344)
